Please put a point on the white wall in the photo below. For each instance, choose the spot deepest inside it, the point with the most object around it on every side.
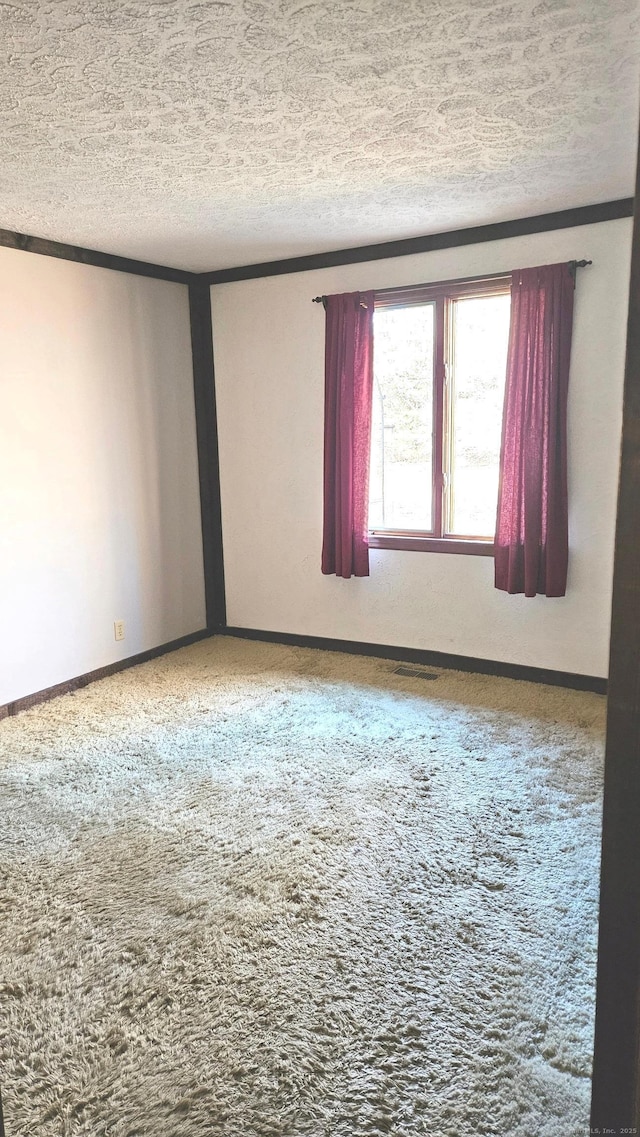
(268, 346)
(99, 500)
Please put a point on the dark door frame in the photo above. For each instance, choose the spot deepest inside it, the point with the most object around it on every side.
(615, 1102)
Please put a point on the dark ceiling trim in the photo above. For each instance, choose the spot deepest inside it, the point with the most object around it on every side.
(544, 222)
(27, 244)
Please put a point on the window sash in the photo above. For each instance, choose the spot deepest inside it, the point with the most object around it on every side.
(442, 295)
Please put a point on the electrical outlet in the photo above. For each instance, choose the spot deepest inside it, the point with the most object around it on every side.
(118, 629)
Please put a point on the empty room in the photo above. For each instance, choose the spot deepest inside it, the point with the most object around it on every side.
(319, 494)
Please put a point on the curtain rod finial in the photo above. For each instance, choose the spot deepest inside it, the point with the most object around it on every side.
(575, 265)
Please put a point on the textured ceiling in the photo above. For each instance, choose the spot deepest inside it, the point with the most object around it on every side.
(217, 133)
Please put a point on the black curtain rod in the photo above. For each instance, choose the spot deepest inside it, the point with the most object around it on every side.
(573, 265)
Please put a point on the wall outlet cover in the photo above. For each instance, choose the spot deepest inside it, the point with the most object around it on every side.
(118, 629)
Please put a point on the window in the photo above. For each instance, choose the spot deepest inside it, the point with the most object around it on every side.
(439, 374)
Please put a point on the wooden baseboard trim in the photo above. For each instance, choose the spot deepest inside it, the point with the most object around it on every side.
(350, 647)
(428, 658)
(74, 684)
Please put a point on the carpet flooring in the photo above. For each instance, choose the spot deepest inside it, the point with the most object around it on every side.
(258, 891)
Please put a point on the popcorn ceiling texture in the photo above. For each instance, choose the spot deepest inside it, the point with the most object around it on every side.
(271, 892)
(208, 134)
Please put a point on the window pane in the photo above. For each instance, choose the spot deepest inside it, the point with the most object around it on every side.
(401, 475)
(480, 336)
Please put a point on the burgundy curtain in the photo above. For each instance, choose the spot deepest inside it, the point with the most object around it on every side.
(531, 543)
(347, 432)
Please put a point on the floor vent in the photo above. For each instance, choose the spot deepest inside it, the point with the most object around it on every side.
(415, 673)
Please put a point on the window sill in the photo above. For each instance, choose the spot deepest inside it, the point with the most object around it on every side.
(414, 543)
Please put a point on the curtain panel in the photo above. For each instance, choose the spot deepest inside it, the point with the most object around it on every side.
(347, 433)
(531, 542)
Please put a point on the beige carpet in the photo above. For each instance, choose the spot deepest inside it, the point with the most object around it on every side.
(259, 891)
